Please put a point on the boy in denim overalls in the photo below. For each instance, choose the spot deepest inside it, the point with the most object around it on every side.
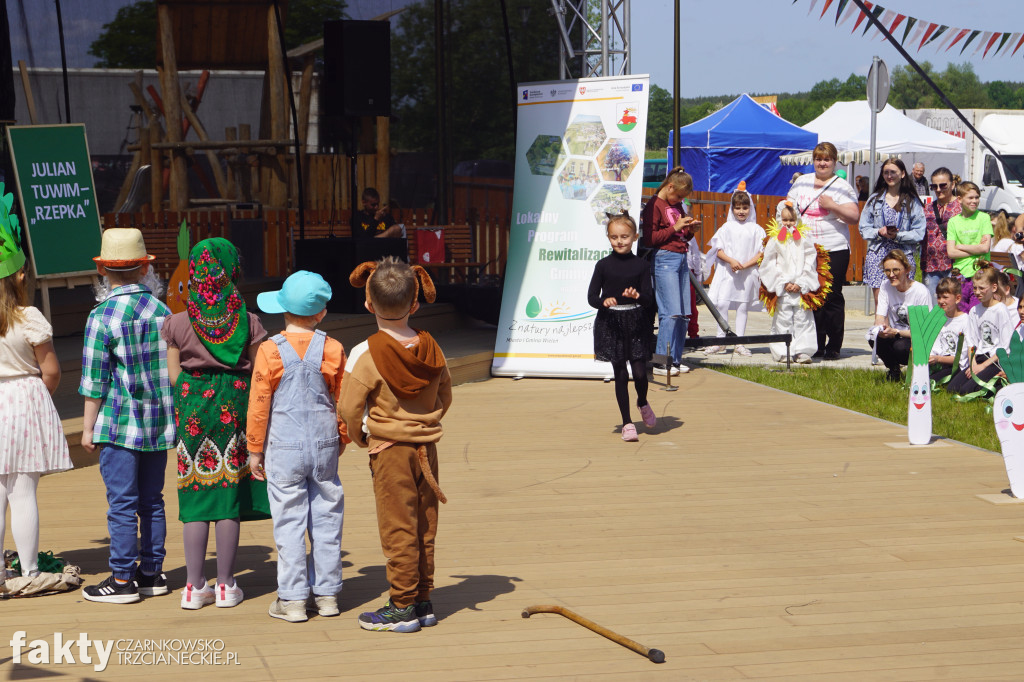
(396, 389)
(295, 384)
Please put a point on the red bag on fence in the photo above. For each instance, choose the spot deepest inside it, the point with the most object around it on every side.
(429, 246)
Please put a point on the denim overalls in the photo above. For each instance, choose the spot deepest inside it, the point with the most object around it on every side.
(302, 475)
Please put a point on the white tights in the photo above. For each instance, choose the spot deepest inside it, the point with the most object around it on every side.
(741, 316)
(20, 490)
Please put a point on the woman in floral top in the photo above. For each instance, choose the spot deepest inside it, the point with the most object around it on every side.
(210, 349)
(935, 262)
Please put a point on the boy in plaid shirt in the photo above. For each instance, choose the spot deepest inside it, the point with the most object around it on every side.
(129, 413)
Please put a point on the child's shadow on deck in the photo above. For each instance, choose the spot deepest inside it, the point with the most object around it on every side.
(665, 424)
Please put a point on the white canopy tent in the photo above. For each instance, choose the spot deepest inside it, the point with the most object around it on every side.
(847, 125)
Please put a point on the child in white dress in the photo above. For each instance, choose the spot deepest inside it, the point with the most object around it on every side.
(735, 250)
(31, 437)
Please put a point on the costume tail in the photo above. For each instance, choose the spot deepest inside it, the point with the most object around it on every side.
(421, 455)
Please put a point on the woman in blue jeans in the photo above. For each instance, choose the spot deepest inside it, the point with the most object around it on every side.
(667, 229)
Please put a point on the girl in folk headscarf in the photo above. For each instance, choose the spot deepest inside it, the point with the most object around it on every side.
(210, 349)
(735, 250)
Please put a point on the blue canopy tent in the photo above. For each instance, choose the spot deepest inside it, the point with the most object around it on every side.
(741, 141)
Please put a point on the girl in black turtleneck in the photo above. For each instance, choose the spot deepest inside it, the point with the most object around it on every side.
(619, 289)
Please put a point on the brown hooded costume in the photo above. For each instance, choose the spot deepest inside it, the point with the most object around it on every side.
(392, 399)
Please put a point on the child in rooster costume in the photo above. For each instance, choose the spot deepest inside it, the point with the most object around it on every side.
(795, 278)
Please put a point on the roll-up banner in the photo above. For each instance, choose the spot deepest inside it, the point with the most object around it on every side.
(579, 154)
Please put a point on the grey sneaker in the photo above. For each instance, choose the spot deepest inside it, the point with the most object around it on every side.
(291, 611)
(325, 605)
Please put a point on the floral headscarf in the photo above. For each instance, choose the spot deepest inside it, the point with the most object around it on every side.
(215, 306)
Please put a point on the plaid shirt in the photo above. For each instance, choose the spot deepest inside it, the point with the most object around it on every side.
(124, 362)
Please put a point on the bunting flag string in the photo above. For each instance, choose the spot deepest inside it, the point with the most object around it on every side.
(911, 31)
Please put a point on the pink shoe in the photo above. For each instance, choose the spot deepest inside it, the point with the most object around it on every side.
(629, 433)
(650, 419)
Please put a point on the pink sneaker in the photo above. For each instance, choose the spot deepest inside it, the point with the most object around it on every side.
(629, 433)
(229, 596)
(193, 598)
(650, 419)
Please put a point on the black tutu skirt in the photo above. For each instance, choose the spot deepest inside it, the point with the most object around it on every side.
(621, 335)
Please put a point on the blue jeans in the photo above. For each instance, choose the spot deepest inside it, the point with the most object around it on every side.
(135, 517)
(672, 291)
(306, 497)
(931, 279)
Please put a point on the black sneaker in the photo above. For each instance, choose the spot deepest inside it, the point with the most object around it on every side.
(112, 592)
(425, 614)
(391, 618)
(151, 585)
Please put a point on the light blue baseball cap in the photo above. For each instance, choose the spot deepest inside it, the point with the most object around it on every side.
(303, 293)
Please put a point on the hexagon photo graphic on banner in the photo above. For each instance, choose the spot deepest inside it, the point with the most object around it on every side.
(617, 159)
(585, 135)
(578, 179)
(545, 155)
(611, 198)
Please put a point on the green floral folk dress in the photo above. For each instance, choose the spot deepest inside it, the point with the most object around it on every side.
(214, 481)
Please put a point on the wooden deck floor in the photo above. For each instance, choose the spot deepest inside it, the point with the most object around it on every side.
(752, 535)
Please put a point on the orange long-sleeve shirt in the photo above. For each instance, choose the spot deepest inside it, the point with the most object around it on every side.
(266, 375)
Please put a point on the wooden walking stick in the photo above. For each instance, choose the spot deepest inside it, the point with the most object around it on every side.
(655, 655)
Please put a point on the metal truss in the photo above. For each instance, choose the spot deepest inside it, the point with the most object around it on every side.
(594, 38)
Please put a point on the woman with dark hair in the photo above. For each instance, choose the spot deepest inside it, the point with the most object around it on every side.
(828, 205)
(935, 262)
(893, 219)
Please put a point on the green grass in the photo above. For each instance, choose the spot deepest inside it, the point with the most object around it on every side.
(869, 393)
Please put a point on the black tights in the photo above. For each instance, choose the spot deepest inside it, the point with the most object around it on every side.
(639, 369)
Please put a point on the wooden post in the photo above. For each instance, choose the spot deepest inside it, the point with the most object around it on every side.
(277, 195)
(302, 125)
(172, 110)
(218, 173)
(251, 180)
(30, 101)
(156, 168)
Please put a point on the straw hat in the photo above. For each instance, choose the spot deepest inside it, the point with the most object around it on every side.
(123, 248)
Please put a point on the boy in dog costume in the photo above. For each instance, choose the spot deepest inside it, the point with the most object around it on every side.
(395, 390)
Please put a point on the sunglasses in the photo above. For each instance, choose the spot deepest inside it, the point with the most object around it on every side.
(941, 185)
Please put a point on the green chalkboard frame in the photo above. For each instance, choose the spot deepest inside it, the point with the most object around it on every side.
(60, 217)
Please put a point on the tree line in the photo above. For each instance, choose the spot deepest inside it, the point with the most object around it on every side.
(908, 91)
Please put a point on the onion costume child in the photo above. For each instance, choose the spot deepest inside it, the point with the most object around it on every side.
(1008, 414)
(792, 260)
(925, 326)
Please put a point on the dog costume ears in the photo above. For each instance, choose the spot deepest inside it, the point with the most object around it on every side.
(362, 273)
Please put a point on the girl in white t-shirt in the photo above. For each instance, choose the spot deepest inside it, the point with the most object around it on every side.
(899, 292)
(990, 325)
(31, 438)
(943, 355)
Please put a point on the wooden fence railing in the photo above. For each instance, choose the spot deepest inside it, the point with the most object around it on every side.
(487, 238)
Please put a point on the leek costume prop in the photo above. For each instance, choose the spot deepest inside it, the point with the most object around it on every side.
(925, 326)
(791, 257)
(1008, 414)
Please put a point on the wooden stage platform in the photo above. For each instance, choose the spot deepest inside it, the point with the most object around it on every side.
(752, 534)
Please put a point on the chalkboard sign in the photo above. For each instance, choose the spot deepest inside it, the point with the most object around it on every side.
(57, 197)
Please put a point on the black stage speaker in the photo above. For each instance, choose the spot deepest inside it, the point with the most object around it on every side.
(335, 257)
(357, 68)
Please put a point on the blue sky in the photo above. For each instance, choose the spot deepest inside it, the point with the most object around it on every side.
(764, 46)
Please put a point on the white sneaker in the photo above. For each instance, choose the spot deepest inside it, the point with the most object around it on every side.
(229, 596)
(742, 350)
(193, 598)
(803, 359)
(291, 611)
(324, 604)
(715, 350)
(680, 369)
(661, 371)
